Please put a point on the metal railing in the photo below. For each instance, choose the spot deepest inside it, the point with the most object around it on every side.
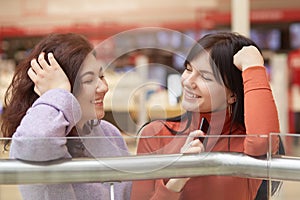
(148, 167)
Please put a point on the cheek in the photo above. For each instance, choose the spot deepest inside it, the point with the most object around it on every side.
(217, 96)
(88, 90)
(85, 95)
(183, 78)
(82, 101)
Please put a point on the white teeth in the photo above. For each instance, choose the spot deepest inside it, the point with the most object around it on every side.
(192, 95)
(98, 101)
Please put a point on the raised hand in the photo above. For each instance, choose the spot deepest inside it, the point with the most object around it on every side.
(46, 77)
(248, 56)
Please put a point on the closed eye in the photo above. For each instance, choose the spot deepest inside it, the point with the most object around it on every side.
(206, 77)
(188, 68)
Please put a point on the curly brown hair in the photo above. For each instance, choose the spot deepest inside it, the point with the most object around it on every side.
(69, 49)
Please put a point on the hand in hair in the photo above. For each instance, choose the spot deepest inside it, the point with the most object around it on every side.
(47, 77)
(248, 56)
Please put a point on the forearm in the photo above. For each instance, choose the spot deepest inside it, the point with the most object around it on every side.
(261, 116)
(41, 134)
(48, 192)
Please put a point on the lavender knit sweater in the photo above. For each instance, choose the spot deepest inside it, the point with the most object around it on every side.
(41, 136)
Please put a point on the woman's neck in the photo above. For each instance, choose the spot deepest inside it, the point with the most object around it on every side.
(218, 121)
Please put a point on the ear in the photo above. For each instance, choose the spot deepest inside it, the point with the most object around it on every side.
(231, 98)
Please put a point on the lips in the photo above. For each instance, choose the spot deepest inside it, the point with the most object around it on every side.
(98, 100)
(191, 95)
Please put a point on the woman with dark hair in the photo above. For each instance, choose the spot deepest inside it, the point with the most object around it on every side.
(224, 82)
(41, 113)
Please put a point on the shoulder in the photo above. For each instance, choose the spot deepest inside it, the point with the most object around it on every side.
(109, 127)
(114, 135)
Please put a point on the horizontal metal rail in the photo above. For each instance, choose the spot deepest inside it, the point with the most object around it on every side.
(147, 167)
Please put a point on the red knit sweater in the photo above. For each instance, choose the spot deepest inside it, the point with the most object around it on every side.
(260, 119)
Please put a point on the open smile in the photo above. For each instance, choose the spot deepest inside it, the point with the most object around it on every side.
(191, 95)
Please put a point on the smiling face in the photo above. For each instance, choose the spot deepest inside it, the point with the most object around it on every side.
(93, 88)
(201, 91)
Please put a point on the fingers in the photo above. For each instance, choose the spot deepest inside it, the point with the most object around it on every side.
(37, 69)
(194, 146)
(36, 90)
(193, 135)
(41, 72)
(47, 75)
(248, 56)
(42, 62)
(52, 61)
(32, 75)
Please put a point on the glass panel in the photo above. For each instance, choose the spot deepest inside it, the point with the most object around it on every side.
(289, 190)
(8, 191)
(96, 148)
(45, 162)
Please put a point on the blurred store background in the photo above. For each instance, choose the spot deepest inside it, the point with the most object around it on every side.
(130, 32)
(274, 26)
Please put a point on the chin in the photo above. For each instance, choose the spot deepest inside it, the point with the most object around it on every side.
(190, 108)
(100, 115)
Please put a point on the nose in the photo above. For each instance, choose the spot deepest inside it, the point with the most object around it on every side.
(188, 80)
(102, 86)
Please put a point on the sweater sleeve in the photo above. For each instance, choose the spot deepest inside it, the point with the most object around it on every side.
(151, 189)
(42, 131)
(48, 192)
(261, 116)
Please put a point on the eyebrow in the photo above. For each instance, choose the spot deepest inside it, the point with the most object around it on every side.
(206, 72)
(87, 73)
(202, 71)
(91, 73)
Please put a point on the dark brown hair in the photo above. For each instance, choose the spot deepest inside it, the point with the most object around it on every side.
(223, 46)
(69, 49)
